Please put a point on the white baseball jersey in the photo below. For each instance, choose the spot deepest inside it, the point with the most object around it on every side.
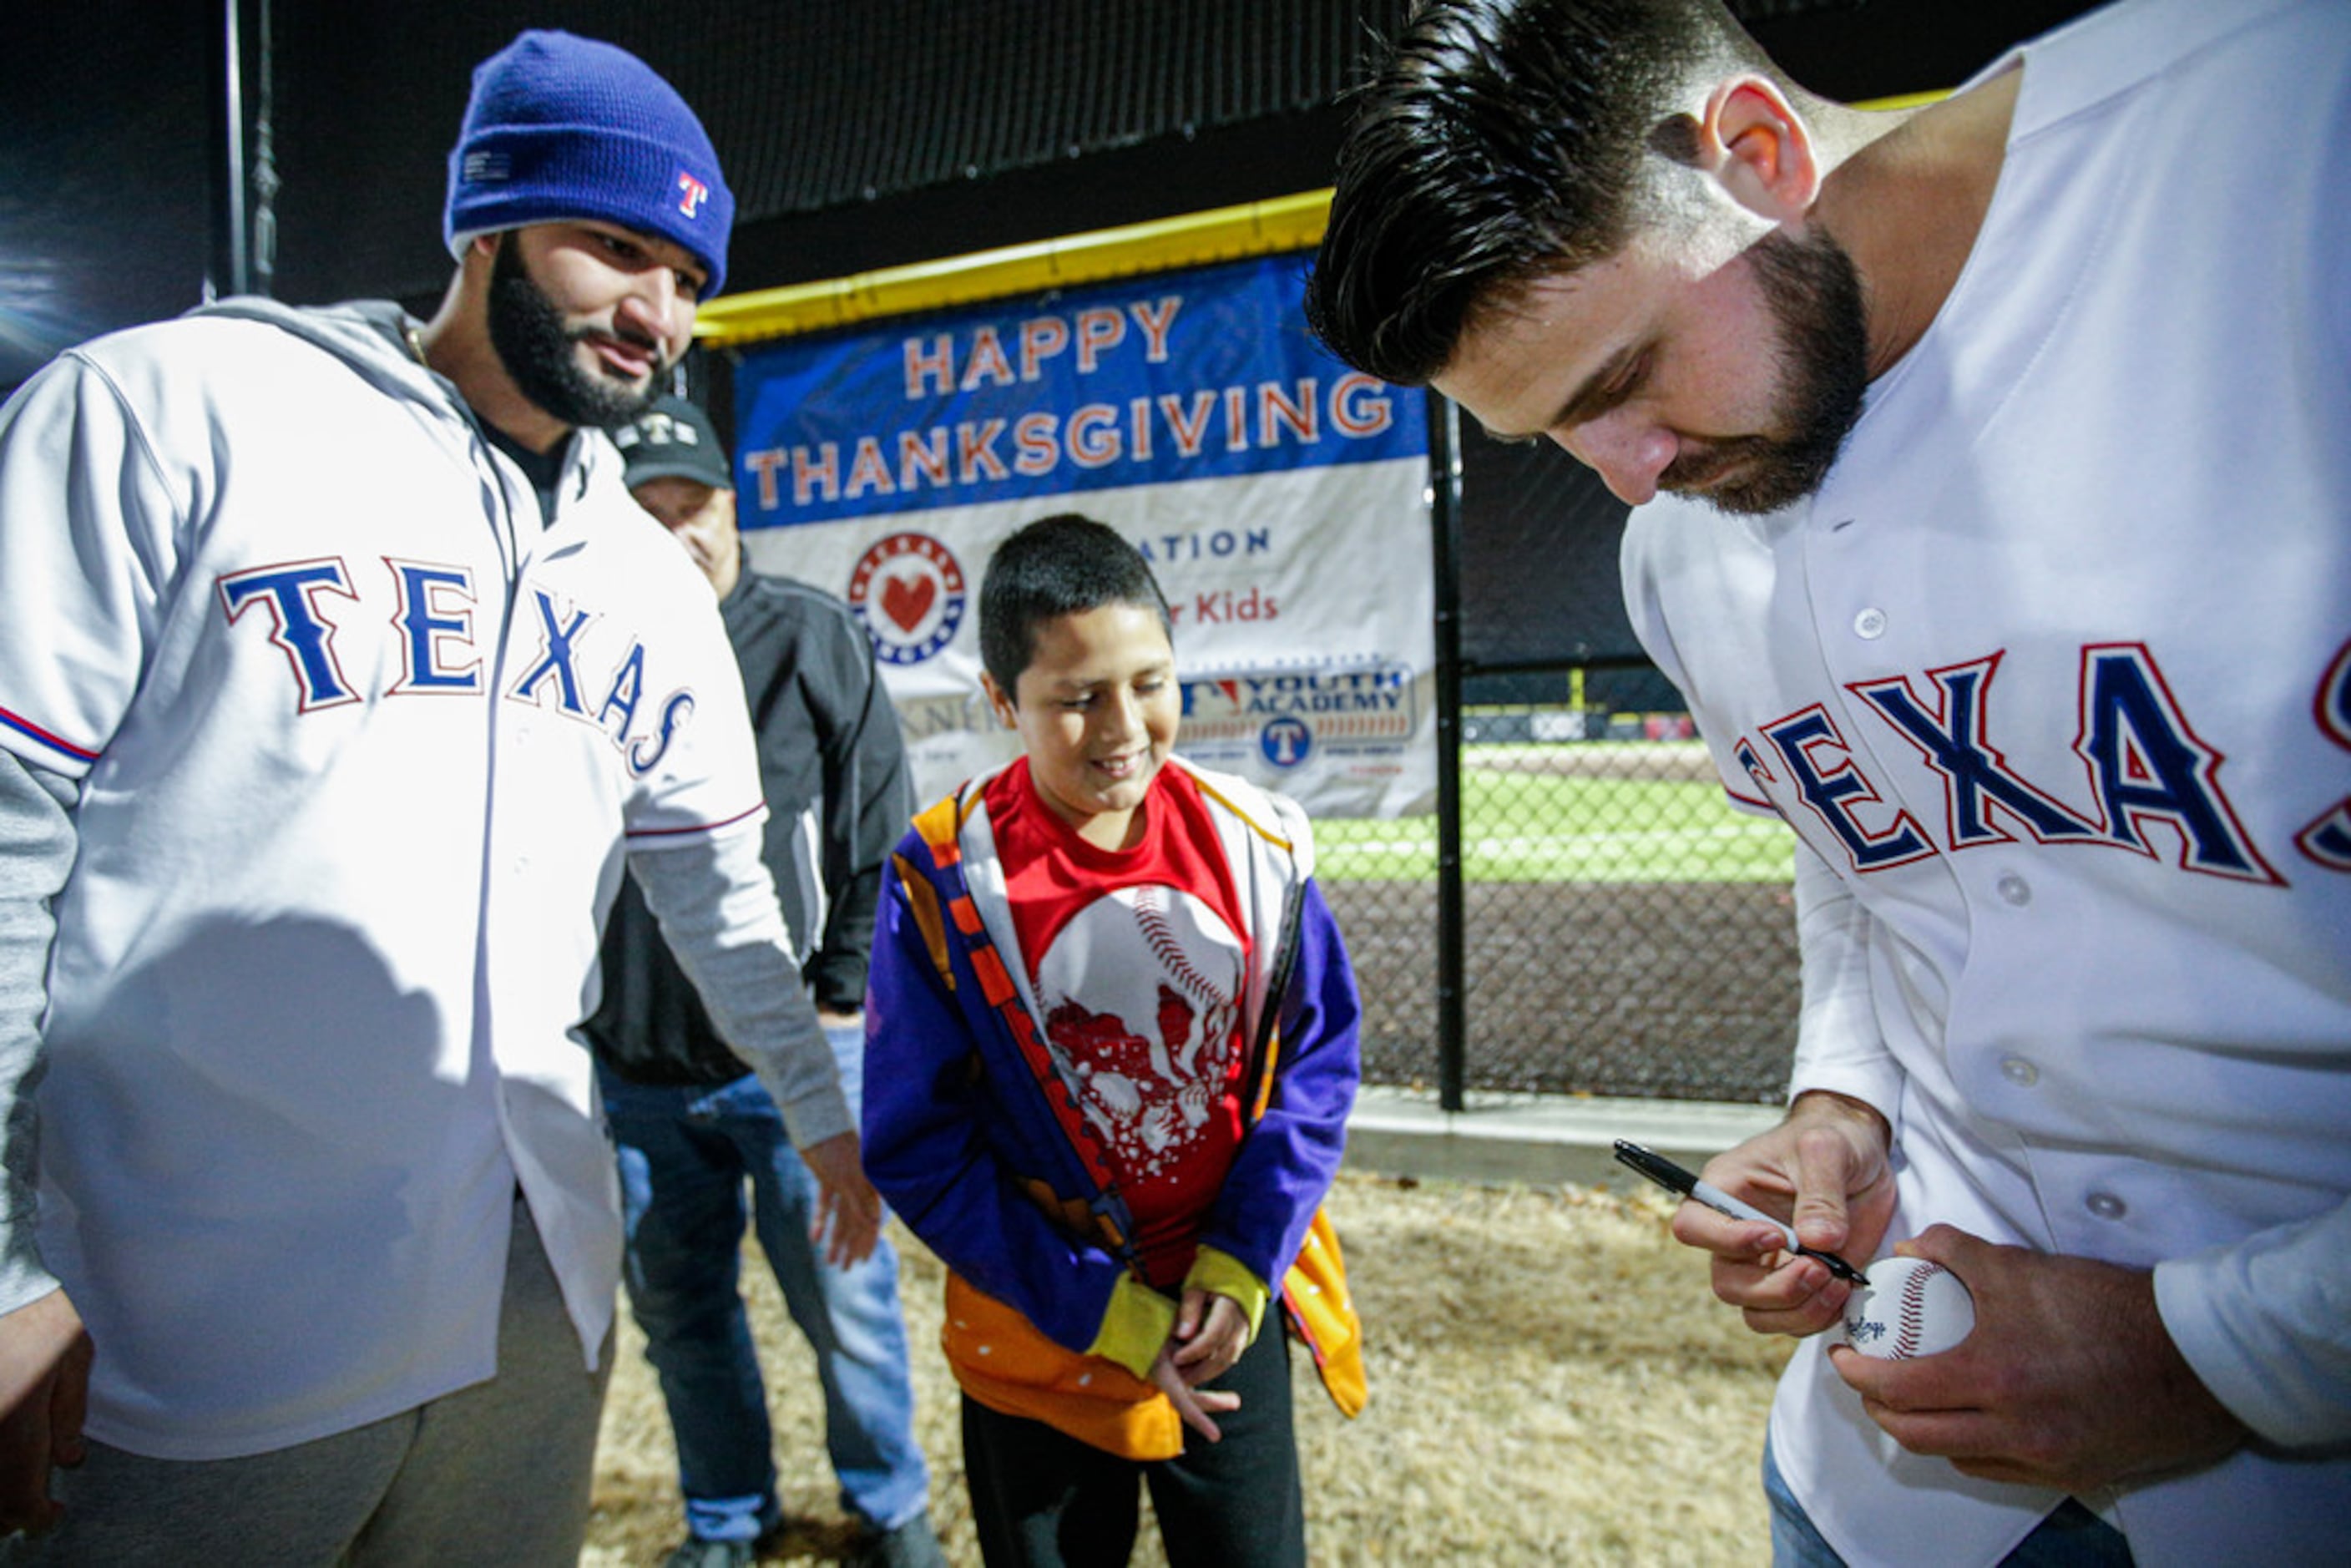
(359, 745)
(2053, 681)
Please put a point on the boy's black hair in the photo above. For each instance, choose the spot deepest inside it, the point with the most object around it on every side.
(1062, 565)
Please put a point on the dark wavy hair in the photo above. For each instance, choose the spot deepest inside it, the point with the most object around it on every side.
(1496, 142)
(1062, 565)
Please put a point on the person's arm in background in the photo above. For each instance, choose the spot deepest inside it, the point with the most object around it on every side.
(868, 801)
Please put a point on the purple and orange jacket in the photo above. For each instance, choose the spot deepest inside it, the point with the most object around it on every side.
(969, 1136)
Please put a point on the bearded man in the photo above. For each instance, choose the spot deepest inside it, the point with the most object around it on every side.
(1990, 464)
(344, 677)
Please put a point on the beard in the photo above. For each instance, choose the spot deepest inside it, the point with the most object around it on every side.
(540, 351)
(1813, 293)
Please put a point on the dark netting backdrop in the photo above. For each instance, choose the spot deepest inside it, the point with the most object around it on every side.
(1626, 931)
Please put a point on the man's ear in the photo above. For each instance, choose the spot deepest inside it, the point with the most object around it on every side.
(1759, 148)
(999, 700)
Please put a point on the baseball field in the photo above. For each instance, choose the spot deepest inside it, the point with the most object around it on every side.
(1601, 812)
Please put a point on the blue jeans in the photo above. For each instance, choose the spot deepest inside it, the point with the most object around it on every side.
(684, 1155)
(2071, 1537)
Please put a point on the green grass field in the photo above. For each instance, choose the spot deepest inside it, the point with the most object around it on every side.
(1523, 826)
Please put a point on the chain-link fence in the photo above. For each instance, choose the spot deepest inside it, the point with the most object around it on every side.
(1626, 931)
(1622, 928)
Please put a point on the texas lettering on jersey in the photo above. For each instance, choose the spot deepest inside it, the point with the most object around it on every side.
(2154, 786)
(572, 673)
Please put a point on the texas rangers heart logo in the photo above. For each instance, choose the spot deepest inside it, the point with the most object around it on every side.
(908, 588)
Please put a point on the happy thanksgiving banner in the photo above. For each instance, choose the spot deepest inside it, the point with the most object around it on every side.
(1279, 496)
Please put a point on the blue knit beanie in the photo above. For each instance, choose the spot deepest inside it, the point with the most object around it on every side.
(563, 127)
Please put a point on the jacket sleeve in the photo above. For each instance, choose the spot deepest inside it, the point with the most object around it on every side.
(868, 797)
(36, 850)
(939, 1145)
(1292, 1153)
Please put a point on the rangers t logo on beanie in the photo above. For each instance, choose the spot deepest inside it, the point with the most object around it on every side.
(563, 127)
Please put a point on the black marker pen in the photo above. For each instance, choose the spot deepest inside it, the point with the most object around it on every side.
(1673, 1179)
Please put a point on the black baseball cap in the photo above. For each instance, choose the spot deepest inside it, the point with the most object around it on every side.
(674, 440)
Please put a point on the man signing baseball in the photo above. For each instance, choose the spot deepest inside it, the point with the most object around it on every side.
(1992, 474)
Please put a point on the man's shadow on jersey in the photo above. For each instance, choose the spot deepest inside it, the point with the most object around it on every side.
(224, 1051)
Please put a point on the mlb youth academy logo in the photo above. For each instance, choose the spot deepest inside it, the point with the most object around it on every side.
(909, 591)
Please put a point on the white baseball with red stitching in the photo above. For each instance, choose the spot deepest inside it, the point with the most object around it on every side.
(1910, 1308)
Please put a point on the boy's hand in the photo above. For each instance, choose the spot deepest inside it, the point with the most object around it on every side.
(848, 1210)
(1193, 1404)
(1211, 1332)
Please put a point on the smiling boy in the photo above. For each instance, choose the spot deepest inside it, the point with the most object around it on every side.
(1110, 1048)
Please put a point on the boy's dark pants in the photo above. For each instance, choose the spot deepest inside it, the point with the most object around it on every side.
(1042, 1499)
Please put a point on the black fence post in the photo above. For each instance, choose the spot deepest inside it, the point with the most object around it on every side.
(1452, 942)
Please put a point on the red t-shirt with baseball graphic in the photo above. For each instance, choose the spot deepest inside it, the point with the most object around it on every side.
(1137, 962)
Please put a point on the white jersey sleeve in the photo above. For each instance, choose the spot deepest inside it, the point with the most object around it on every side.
(2262, 1323)
(716, 906)
(1839, 1045)
(84, 598)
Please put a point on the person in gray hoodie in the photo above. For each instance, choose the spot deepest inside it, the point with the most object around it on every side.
(341, 678)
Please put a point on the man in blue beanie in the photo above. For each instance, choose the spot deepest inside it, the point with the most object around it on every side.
(343, 679)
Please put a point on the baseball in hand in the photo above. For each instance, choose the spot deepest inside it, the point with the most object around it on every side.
(1910, 1307)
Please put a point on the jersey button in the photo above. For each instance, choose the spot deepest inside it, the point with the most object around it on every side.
(2105, 1205)
(2019, 1072)
(1870, 624)
(2013, 890)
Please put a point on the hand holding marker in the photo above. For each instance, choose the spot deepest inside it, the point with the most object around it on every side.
(1673, 1179)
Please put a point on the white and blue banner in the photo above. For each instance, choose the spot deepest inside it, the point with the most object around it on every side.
(1280, 497)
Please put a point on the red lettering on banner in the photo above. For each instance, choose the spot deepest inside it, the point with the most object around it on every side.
(868, 471)
(922, 455)
(1093, 435)
(1359, 405)
(1189, 433)
(1099, 331)
(1157, 319)
(1038, 451)
(987, 362)
(976, 451)
(925, 367)
(816, 477)
(1274, 410)
(1041, 337)
(763, 464)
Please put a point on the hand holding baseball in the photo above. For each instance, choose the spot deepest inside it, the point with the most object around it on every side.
(1825, 1167)
(2068, 1380)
